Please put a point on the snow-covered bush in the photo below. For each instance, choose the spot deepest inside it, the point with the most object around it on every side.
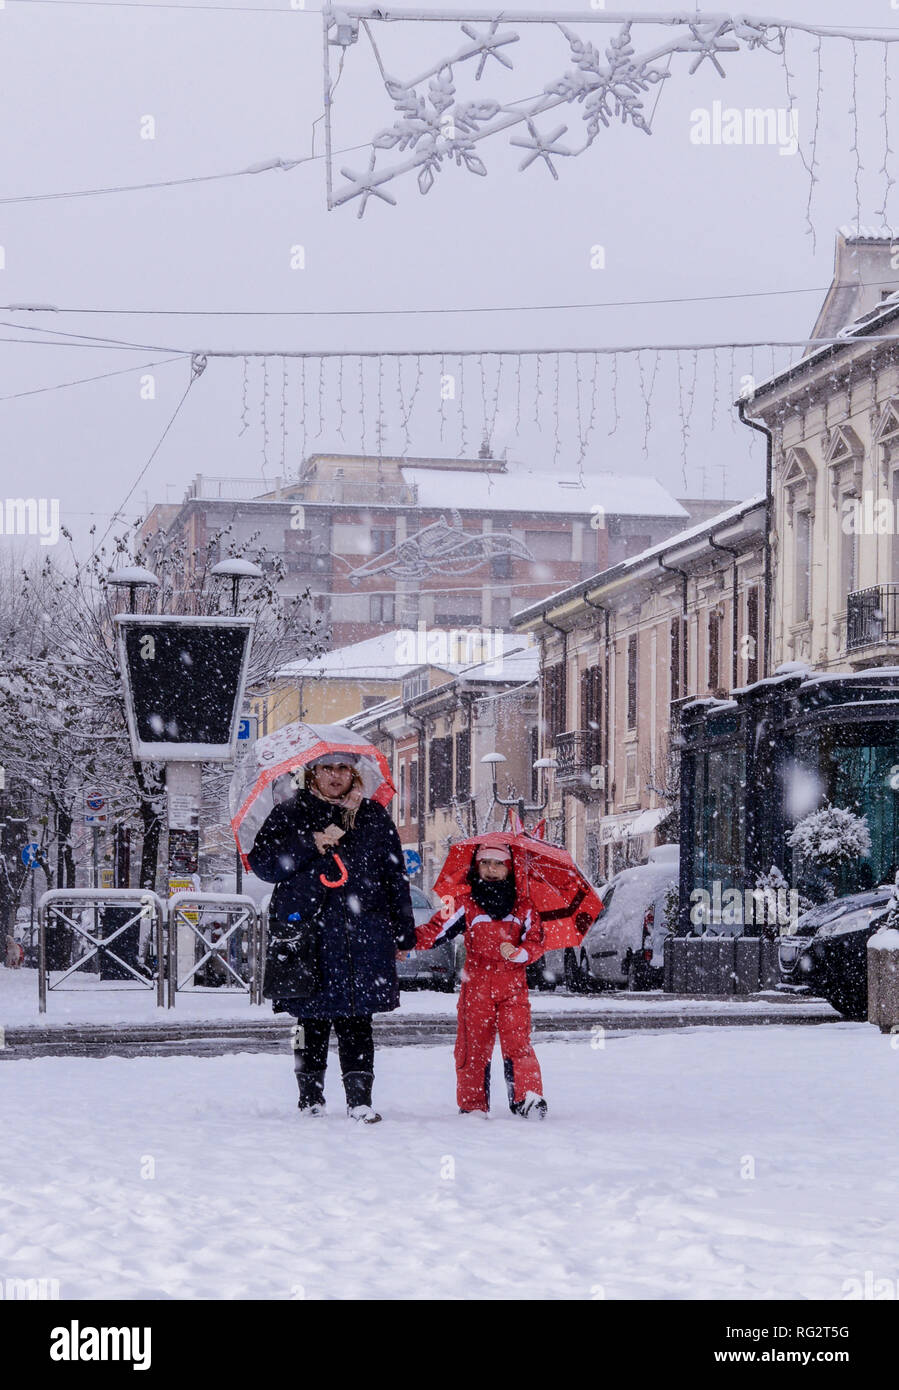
(772, 895)
(831, 838)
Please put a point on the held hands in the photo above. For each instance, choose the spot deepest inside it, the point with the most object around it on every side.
(509, 952)
(327, 839)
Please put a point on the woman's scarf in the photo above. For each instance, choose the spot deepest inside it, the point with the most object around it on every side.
(346, 805)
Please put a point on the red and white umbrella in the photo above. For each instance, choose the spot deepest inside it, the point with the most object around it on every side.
(252, 795)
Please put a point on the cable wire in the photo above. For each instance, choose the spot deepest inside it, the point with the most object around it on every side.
(471, 309)
(195, 372)
(82, 381)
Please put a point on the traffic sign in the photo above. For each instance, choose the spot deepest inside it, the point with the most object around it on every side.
(246, 728)
(412, 860)
(31, 854)
(95, 812)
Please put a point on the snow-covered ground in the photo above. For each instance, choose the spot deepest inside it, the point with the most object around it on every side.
(88, 1000)
(734, 1163)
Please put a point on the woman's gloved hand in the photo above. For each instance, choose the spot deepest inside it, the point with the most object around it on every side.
(327, 839)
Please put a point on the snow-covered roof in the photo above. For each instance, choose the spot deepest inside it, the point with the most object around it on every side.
(618, 494)
(387, 657)
(865, 325)
(521, 663)
(703, 528)
(374, 658)
(672, 544)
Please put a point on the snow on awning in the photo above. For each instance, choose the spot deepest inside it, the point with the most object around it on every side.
(631, 824)
(648, 820)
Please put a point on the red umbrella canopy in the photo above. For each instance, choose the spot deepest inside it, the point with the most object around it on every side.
(565, 902)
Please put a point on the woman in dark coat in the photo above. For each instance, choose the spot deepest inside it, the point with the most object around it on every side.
(337, 863)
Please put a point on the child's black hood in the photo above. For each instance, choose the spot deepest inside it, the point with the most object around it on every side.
(496, 897)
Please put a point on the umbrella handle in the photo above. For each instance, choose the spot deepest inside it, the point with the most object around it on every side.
(338, 882)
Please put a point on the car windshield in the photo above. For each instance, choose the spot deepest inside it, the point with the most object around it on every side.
(851, 921)
(829, 912)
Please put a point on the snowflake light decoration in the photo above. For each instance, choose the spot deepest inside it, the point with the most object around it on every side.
(440, 548)
(436, 126)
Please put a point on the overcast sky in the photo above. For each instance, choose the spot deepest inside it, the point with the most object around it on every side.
(226, 90)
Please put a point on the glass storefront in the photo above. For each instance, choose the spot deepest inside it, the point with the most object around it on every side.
(719, 822)
(856, 765)
(781, 748)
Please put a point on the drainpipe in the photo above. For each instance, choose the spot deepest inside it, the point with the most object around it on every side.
(769, 511)
(419, 793)
(729, 550)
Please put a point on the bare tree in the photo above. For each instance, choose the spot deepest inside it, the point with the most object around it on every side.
(61, 694)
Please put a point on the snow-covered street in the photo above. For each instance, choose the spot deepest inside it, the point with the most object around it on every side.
(734, 1163)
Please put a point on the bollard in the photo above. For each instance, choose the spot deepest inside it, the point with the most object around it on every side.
(883, 979)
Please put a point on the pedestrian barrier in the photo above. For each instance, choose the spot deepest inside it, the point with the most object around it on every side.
(711, 964)
(241, 916)
(141, 910)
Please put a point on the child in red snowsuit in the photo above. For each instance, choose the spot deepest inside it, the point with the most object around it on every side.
(502, 936)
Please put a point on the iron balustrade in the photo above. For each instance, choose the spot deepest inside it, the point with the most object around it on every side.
(241, 914)
(872, 615)
(577, 753)
(52, 915)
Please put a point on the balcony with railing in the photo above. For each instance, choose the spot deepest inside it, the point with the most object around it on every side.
(579, 770)
(872, 616)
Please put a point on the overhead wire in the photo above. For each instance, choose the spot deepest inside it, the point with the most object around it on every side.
(195, 372)
(447, 309)
(84, 380)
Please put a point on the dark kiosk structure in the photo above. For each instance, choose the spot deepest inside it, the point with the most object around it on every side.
(754, 765)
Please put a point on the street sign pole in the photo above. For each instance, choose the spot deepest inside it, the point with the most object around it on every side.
(246, 733)
(184, 786)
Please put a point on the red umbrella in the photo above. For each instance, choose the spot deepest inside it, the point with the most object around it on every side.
(565, 902)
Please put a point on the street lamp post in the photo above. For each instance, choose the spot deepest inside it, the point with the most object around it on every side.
(522, 807)
(236, 569)
(132, 578)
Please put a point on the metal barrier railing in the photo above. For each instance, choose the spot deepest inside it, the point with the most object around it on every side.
(148, 910)
(241, 914)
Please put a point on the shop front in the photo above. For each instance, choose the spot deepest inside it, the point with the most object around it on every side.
(752, 766)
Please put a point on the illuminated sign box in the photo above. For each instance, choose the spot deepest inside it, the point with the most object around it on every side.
(184, 684)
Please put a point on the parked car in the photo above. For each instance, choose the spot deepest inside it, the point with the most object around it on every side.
(438, 968)
(827, 954)
(626, 944)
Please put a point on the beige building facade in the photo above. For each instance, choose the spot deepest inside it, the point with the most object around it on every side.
(833, 418)
(620, 654)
